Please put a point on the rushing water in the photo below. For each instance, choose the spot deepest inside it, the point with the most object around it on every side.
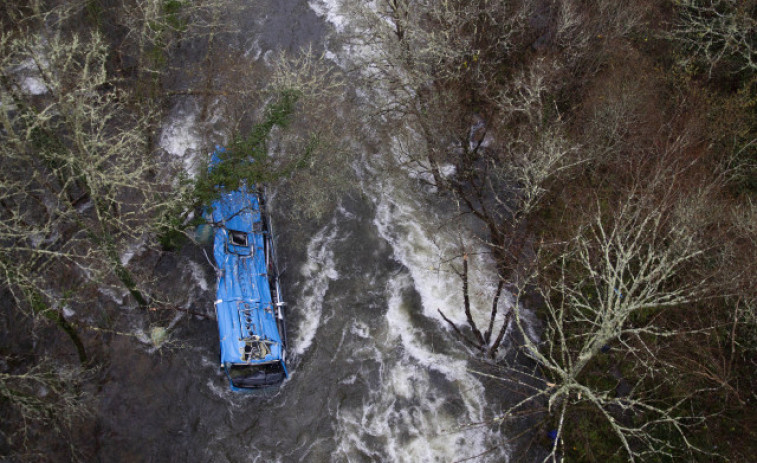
(376, 376)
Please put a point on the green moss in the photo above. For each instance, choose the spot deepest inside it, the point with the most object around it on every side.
(172, 8)
(588, 438)
(642, 316)
(94, 12)
(171, 239)
(156, 56)
(39, 306)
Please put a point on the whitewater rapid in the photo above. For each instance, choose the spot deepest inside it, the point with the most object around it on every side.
(377, 375)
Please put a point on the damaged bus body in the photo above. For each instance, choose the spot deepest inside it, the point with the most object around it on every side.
(249, 306)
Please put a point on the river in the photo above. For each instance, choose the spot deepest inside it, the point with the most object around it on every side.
(376, 374)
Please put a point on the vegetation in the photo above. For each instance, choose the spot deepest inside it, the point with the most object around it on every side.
(77, 187)
(245, 160)
(84, 188)
(603, 151)
(607, 190)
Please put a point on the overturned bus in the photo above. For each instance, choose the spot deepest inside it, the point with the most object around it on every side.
(249, 306)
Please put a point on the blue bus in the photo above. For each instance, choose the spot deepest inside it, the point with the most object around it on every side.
(249, 305)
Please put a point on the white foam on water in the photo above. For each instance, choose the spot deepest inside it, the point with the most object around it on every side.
(360, 330)
(402, 218)
(360, 51)
(28, 75)
(115, 294)
(269, 57)
(254, 50)
(198, 275)
(330, 10)
(223, 392)
(318, 271)
(181, 139)
(33, 86)
(406, 417)
(133, 249)
(85, 206)
(401, 327)
(433, 257)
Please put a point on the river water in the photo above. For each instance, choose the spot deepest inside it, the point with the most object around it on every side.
(376, 374)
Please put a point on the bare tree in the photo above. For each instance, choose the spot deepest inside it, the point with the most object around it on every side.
(502, 180)
(603, 290)
(491, 142)
(314, 144)
(46, 400)
(79, 183)
(714, 31)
